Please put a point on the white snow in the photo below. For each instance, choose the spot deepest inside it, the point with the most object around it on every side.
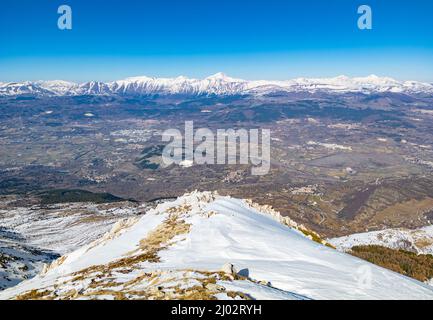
(33, 236)
(222, 230)
(219, 84)
(65, 227)
(418, 240)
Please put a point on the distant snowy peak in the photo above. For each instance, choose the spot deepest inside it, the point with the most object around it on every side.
(217, 84)
(24, 88)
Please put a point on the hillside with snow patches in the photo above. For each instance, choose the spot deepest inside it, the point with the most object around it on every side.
(205, 246)
(419, 240)
(218, 84)
(33, 236)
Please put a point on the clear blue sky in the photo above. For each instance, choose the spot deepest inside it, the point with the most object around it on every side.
(251, 39)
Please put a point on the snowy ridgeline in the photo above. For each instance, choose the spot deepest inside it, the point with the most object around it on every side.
(218, 84)
(206, 246)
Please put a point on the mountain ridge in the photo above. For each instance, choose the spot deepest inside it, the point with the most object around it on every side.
(217, 84)
(206, 246)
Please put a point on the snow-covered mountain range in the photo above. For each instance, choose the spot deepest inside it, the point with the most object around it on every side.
(218, 84)
(204, 246)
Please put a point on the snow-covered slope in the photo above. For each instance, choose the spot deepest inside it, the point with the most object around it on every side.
(30, 237)
(218, 84)
(69, 225)
(190, 248)
(418, 240)
(18, 260)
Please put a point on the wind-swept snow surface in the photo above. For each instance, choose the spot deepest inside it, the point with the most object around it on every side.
(191, 247)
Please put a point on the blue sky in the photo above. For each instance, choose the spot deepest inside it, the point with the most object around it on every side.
(251, 39)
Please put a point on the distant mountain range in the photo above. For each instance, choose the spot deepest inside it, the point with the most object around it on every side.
(218, 84)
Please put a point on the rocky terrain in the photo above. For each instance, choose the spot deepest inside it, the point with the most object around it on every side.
(31, 237)
(419, 241)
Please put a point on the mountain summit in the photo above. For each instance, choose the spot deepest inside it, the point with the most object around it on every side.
(205, 246)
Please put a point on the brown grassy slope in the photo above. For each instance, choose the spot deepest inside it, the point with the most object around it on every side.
(407, 263)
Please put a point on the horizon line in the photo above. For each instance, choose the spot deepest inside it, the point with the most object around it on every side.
(223, 75)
